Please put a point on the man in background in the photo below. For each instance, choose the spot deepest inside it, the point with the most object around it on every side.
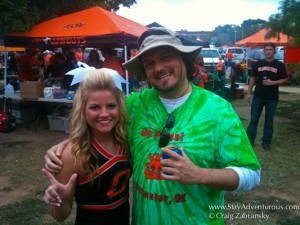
(267, 75)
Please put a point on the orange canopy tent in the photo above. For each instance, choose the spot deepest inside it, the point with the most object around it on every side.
(94, 27)
(259, 39)
(11, 49)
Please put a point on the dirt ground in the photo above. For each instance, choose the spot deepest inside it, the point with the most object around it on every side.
(42, 138)
(33, 138)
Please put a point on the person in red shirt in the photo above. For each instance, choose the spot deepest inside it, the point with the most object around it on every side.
(221, 72)
(79, 55)
(220, 67)
(47, 58)
(229, 57)
(197, 75)
(26, 64)
(111, 62)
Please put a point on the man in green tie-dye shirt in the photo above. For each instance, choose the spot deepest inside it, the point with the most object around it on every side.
(216, 153)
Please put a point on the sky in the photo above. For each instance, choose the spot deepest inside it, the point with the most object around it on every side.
(198, 15)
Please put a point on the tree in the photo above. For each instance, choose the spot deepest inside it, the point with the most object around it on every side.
(225, 34)
(287, 21)
(251, 26)
(230, 33)
(21, 15)
(14, 16)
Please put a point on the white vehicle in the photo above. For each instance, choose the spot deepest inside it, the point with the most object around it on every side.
(237, 52)
(280, 49)
(211, 58)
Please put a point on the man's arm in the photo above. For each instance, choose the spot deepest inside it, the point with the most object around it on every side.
(53, 162)
(183, 170)
(248, 179)
(250, 87)
(228, 179)
(269, 82)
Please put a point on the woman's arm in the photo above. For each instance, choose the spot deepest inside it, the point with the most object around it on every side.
(61, 191)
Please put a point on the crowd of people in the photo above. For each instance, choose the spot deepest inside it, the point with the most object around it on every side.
(51, 67)
(226, 72)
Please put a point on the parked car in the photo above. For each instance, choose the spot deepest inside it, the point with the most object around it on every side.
(280, 49)
(253, 55)
(237, 52)
(211, 58)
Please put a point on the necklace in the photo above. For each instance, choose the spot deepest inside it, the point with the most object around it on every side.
(186, 90)
(175, 99)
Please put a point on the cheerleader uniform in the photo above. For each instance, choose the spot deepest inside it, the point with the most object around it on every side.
(102, 198)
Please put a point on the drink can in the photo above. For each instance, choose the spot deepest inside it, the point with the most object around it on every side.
(173, 148)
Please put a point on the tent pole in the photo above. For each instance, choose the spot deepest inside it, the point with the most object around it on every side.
(126, 71)
(247, 66)
(5, 77)
(5, 67)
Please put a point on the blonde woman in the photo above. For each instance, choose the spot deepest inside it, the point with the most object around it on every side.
(96, 167)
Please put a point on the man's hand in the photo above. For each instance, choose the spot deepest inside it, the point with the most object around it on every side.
(179, 168)
(182, 169)
(52, 158)
(268, 82)
(248, 97)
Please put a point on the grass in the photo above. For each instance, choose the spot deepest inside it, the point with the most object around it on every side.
(280, 169)
(22, 159)
(28, 212)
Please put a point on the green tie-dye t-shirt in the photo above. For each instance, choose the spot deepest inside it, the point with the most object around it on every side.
(212, 136)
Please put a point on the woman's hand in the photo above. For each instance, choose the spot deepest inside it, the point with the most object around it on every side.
(57, 192)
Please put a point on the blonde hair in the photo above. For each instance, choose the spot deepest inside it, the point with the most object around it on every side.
(81, 135)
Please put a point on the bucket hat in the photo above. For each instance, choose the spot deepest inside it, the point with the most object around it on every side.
(157, 37)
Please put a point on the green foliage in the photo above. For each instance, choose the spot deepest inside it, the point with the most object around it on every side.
(294, 68)
(230, 33)
(21, 15)
(14, 16)
(252, 26)
(287, 21)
